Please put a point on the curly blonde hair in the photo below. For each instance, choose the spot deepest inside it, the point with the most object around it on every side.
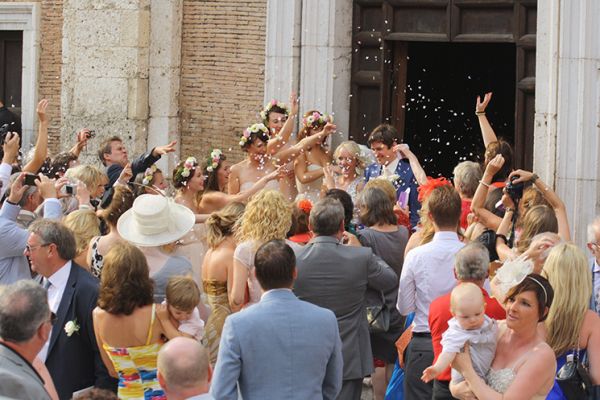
(267, 216)
(569, 275)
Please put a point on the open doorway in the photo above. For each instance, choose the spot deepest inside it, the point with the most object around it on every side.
(11, 67)
(433, 105)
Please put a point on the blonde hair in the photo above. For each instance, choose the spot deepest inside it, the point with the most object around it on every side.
(353, 148)
(220, 224)
(85, 225)
(182, 293)
(384, 185)
(267, 216)
(538, 219)
(91, 175)
(567, 271)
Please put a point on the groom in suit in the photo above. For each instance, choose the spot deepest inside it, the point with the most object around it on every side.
(71, 353)
(281, 347)
(393, 166)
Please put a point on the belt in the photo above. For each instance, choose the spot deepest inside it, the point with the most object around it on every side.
(421, 334)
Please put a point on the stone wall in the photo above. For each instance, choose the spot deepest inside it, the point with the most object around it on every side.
(50, 45)
(222, 73)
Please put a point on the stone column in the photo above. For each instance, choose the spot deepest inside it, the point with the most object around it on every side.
(282, 53)
(105, 71)
(326, 51)
(164, 76)
(567, 128)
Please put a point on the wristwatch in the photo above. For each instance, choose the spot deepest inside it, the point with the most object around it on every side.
(534, 178)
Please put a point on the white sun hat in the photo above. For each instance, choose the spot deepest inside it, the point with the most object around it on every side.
(155, 221)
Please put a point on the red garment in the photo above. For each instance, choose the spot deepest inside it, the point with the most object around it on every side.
(465, 210)
(499, 185)
(301, 238)
(439, 315)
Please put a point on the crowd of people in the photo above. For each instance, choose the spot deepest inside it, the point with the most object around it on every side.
(300, 272)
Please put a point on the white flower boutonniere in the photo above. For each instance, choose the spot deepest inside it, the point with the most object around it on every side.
(71, 327)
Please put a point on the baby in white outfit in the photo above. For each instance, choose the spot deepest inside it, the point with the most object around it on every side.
(470, 324)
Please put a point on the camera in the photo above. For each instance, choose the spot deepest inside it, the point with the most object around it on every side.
(91, 134)
(3, 132)
(71, 189)
(515, 190)
(30, 180)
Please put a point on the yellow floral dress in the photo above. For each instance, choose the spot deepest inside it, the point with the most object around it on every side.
(136, 367)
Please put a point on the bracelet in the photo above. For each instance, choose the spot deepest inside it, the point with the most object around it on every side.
(479, 113)
(534, 178)
(487, 185)
(10, 202)
(501, 236)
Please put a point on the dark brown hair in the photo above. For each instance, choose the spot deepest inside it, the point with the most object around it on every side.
(125, 283)
(542, 289)
(384, 133)
(106, 148)
(122, 201)
(500, 147)
(445, 206)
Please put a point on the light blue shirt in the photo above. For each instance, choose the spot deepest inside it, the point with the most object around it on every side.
(595, 302)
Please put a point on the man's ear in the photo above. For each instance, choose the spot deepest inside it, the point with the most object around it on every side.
(210, 373)
(295, 273)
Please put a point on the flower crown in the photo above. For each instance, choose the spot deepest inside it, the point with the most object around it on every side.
(255, 128)
(273, 103)
(149, 174)
(316, 118)
(214, 160)
(189, 164)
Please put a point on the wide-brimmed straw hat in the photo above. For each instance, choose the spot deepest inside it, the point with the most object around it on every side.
(155, 221)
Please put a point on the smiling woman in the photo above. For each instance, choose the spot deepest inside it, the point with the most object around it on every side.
(524, 365)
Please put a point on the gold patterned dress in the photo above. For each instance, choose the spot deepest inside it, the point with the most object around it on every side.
(136, 367)
(216, 293)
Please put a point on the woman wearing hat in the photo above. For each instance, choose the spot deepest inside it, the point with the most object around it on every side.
(153, 222)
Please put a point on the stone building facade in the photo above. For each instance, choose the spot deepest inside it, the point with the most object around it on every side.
(199, 70)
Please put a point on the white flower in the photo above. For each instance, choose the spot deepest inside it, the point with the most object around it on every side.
(510, 274)
(242, 142)
(71, 327)
(185, 173)
(209, 168)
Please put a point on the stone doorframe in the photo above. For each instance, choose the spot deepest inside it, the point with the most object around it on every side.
(25, 17)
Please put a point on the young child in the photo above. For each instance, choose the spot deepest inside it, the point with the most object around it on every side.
(470, 324)
(182, 299)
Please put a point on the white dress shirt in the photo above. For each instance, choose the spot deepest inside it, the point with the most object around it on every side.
(58, 283)
(390, 168)
(428, 273)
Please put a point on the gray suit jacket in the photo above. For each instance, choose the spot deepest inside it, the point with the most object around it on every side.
(18, 379)
(336, 277)
(279, 348)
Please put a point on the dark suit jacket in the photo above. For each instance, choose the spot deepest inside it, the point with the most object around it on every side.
(336, 277)
(405, 181)
(74, 362)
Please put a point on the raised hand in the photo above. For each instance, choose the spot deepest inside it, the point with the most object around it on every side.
(46, 186)
(11, 147)
(161, 150)
(17, 189)
(41, 110)
(524, 176)
(293, 104)
(480, 106)
(494, 165)
(125, 175)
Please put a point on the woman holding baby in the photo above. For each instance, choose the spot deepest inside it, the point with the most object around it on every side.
(524, 365)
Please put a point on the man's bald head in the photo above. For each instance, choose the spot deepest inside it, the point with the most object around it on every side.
(183, 364)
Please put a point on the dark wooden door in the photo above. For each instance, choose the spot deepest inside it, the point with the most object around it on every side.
(383, 30)
(11, 65)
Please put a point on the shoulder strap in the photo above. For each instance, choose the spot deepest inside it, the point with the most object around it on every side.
(151, 324)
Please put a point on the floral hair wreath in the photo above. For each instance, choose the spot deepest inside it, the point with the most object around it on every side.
(189, 164)
(269, 107)
(255, 128)
(316, 118)
(214, 160)
(149, 174)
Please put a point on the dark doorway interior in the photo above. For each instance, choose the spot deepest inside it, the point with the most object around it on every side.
(442, 83)
(11, 66)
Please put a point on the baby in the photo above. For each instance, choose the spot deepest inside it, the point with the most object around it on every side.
(470, 324)
(182, 299)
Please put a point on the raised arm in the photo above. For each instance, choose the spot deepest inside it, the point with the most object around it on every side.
(415, 165)
(487, 132)
(41, 145)
(555, 202)
(233, 186)
(484, 216)
(505, 252)
(276, 143)
(82, 138)
(287, 155)
(303, 174)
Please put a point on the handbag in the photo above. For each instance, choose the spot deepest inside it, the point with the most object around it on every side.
(574, 379)
(378, 317)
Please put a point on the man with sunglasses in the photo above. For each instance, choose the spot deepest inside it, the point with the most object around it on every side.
(25, 324)
(71, 353)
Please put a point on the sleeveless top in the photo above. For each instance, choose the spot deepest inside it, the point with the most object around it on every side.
(501, 379)
(97, 259)
(136, 367)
